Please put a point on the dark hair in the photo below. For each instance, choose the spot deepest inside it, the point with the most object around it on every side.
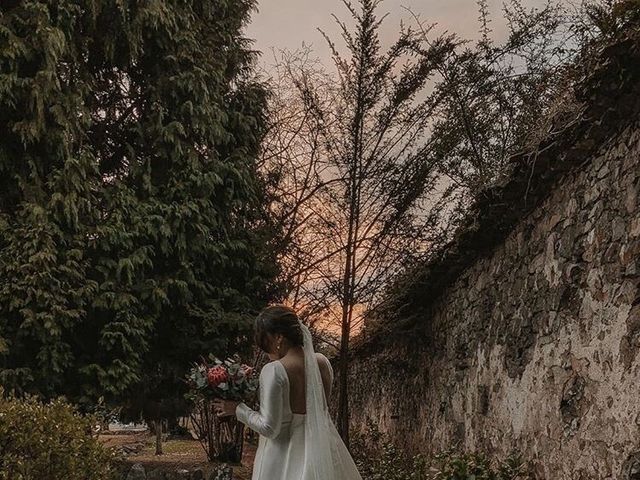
(278, 319)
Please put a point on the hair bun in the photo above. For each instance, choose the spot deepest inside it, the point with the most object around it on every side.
(278, 319)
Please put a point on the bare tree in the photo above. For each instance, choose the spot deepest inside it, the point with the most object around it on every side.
(299, 180)
(372, 164)
(367, 163)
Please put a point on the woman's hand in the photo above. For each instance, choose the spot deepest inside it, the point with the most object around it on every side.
(225, 408)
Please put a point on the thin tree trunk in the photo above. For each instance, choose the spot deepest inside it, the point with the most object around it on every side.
(158, 427)
(343, 387)
(343, 366)
(347, 306)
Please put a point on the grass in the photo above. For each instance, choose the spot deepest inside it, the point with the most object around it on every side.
(179, 453)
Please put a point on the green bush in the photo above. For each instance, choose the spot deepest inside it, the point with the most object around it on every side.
(379, 459)
(49, 442)
(475, 466)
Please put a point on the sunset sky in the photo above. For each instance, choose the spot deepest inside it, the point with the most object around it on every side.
(281, 24)
(290, 24)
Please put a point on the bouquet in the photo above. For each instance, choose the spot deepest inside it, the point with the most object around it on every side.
(229, 379)
(221, 438)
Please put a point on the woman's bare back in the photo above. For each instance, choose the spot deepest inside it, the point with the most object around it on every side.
(293, 363)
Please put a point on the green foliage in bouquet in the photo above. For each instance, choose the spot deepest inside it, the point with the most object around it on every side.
(222, 438)
(49, 441)
(229, 379)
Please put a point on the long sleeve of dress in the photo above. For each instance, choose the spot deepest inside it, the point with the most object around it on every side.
(328, 388)
(268, 420)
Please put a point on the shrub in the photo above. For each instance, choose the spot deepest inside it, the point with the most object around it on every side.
(49, 441)
(379, 459)
(465, 466)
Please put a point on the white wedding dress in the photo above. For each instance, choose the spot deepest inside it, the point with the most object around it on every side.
(295, 446)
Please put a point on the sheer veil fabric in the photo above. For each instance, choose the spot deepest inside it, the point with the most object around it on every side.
(326, 455)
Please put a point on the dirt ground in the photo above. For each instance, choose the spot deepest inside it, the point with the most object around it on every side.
(183, 453)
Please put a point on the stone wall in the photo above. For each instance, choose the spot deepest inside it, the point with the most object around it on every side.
(536, 346)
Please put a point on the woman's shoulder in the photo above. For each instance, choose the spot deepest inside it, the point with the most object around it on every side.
(269, 368)
(322, 358)
(272, 370)
(324, 363)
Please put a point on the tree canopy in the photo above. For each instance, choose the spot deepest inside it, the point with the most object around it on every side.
(131, 238)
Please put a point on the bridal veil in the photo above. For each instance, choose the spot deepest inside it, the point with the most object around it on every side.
(326, 455)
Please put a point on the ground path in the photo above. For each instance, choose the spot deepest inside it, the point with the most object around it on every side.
(178, 454)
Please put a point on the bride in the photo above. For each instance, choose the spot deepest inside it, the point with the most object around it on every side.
(298, 440)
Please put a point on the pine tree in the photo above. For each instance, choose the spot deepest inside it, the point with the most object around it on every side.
(129, 200)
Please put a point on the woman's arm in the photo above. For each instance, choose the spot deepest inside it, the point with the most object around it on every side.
(268, 420)
(326, 372)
